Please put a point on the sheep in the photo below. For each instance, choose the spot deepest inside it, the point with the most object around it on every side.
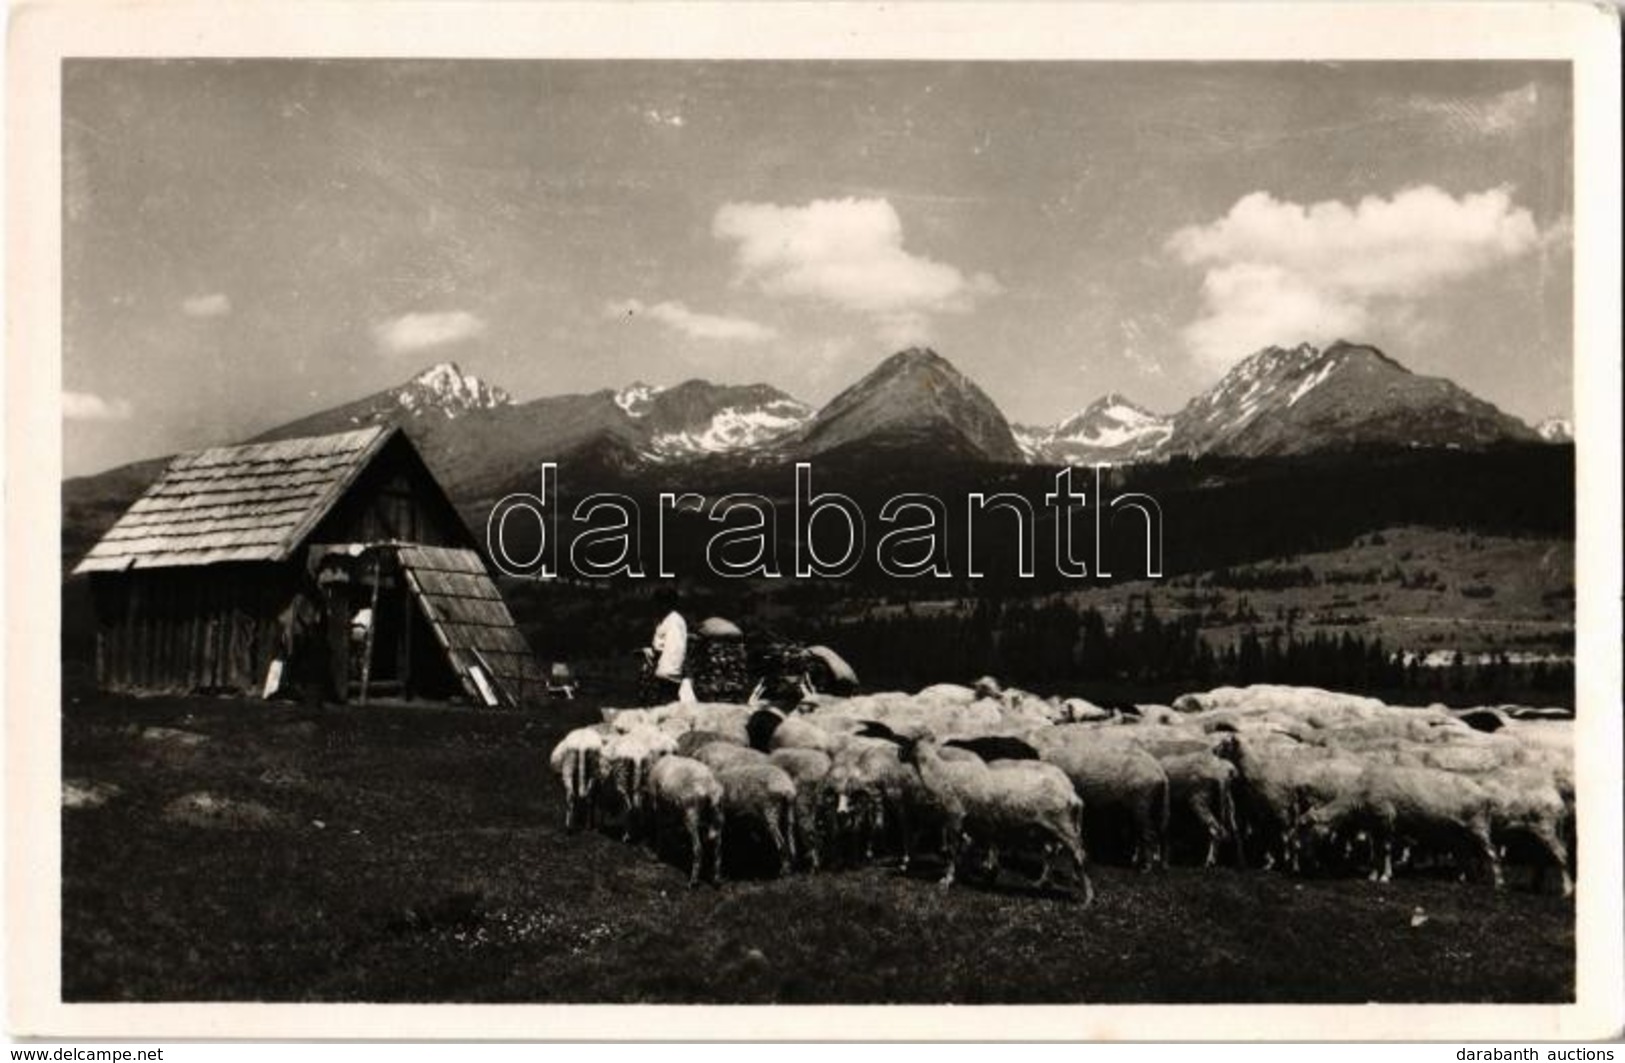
(1077, 710)
(799, 734)
(626, 760)
(681, 786)
(575, 761)
(1033, 767)
(876, 729)
(1163, 742)
(1118, 782)
(1200, 790)
(1425, 803)
(808, 768)
(867, 786)
(625, 720)
(849, 810)
(834, 725)
(719, 755)
(691, 741)
(1001, 807)
(679, 718)
(1277, 778)
(765, 795)
(948, 692)
(1526, 802)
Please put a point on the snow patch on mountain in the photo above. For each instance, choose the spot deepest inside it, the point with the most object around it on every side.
(1311, 382)
(1556, 430)
(1031, 440)
(733, 428)
(634, 399)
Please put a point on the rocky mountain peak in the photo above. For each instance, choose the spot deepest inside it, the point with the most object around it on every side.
(444, 388)
(914, 397)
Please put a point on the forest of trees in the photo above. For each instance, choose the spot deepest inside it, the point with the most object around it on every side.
(1055, 646)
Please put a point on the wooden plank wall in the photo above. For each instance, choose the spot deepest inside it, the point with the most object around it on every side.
(184, 630)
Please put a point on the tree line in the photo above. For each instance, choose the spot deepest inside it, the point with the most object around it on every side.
(1055, 645)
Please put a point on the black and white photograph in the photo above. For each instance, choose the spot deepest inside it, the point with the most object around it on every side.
(842, 530)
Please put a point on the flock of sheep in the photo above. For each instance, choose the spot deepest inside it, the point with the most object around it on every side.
(1287, 777)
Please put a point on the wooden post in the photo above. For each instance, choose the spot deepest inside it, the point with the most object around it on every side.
(408, 691)
(372, 628)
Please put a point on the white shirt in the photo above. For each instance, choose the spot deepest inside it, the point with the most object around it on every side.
(360, 622)
(671, 642)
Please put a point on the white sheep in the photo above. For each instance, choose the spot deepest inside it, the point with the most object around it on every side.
(762, 794)
(575, 761)
(808, 768)
(1000, 808)
(683, 787)
(798, 733)
(625, 763)
(1120, 784)
(719, 755)
(1200, 789)
(868, 787)
(1435, 807)
(1276, 779)
(1526, 802)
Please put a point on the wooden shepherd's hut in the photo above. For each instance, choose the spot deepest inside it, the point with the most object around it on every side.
(198, 584)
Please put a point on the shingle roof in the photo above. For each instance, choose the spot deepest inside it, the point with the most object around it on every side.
(247, 503)
(470, 619)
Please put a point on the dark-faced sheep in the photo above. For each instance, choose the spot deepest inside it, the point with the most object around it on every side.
(682, 788)
(761, 725)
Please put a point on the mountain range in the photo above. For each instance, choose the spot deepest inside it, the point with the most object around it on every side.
(914, 405)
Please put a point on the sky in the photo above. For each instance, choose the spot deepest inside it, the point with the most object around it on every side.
(248, 242)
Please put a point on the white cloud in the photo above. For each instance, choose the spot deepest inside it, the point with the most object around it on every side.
(849, 253)
(417, 331)
(1278, 272)
(675, 315)
(655, 116)
(212, 304)
(83, 406)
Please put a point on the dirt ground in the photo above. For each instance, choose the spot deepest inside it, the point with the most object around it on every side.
(234, 850)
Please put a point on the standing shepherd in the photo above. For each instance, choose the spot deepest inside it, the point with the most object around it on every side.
(333, 577)
(302, 645)
(669, 649)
